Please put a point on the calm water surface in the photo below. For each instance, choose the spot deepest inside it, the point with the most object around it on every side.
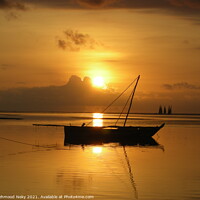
(34, 160)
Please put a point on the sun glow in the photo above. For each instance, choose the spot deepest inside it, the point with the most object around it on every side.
(100, 74)
(97, 150)
(99, 82)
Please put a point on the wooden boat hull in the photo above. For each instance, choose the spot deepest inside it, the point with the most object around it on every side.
(109, 133)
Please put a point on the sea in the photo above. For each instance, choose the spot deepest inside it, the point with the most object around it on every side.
(36, 162)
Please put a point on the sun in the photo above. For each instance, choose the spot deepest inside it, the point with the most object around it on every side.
(99, 82)
(97, 150)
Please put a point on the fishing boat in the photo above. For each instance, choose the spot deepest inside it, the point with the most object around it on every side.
(112, 133)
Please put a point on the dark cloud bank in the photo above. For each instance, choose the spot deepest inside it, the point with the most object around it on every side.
(76, 96)
(80, 96)
(181, 86)
(12, 4)
(181, 5)
(187, 9)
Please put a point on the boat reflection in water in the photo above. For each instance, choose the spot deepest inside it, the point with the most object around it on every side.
(98, 148)
(100, 143)
(137, 142)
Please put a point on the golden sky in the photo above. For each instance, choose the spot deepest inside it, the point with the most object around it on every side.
(44, 43)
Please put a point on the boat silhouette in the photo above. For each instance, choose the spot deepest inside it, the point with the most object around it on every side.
(113, 133)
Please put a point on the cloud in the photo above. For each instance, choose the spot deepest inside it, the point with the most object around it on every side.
(76, 95)
(12, 4)
(186, 3)
(62, 44)
(87, 4)
(197, 48)
(12, 16)
(75, 41)
(111, 60)
(96, 3)
(180, 86)
(114, 3)
(4, 66)
(187, 9)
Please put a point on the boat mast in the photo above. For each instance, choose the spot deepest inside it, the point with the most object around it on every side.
(131, 101)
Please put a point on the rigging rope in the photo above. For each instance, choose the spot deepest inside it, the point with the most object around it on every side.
(116, 98)
(123, 109)
(33, 145)
(119, 96)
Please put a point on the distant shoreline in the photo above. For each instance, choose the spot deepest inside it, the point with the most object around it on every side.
(58, 112)
(10, 118)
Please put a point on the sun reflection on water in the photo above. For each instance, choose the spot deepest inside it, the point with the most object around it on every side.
(97, 119)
